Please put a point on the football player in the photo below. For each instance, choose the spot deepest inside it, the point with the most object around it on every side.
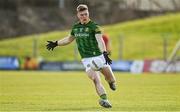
(90, 45)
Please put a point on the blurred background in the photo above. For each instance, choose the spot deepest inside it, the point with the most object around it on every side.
(143, 35)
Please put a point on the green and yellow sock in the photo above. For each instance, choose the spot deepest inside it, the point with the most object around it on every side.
(103, 96)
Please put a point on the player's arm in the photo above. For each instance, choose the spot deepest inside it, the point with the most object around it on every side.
(100, 41)
(65, 41)
(62, 42)
(102, 47)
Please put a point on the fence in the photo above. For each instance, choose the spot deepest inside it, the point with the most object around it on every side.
(125, 48)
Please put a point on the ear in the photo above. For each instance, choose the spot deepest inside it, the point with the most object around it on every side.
(77, 14)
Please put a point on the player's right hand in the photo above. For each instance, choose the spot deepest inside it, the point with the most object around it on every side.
(51, 45)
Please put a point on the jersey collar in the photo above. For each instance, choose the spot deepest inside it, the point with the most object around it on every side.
(86, 23)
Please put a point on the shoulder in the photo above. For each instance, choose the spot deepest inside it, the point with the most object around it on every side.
(76, 24)
(94, 24)
(95, 27)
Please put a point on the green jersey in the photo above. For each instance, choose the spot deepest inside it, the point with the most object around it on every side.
(85, 38)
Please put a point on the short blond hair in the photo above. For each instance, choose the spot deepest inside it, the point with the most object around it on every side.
(82, 7)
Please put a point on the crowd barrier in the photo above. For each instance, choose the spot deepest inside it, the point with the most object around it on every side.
(135, 66)
(9, 63)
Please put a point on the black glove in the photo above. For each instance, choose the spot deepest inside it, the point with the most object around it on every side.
(51, 45)
(108, 60)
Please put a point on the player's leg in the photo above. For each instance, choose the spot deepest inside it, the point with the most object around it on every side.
(109, 76)
(94, 76)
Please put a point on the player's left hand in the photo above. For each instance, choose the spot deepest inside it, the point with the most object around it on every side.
(108, 60)
(51, 45)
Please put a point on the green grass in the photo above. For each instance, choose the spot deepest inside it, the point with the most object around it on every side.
(142, 39)
(73, 91)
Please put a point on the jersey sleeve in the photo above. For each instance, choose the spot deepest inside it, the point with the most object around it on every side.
(73, 29)
(72, 32)
(97, 29)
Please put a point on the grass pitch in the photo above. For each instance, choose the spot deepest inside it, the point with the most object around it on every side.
(73, 91)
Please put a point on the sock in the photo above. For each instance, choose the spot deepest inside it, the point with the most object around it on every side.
(103, 96)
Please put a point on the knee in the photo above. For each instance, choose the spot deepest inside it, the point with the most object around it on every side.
(91, 74)
(91, 77)
(95, 80)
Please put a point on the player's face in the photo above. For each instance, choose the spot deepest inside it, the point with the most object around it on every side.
(83, 16)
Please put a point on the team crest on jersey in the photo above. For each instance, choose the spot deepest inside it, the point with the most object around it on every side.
(75, 30)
